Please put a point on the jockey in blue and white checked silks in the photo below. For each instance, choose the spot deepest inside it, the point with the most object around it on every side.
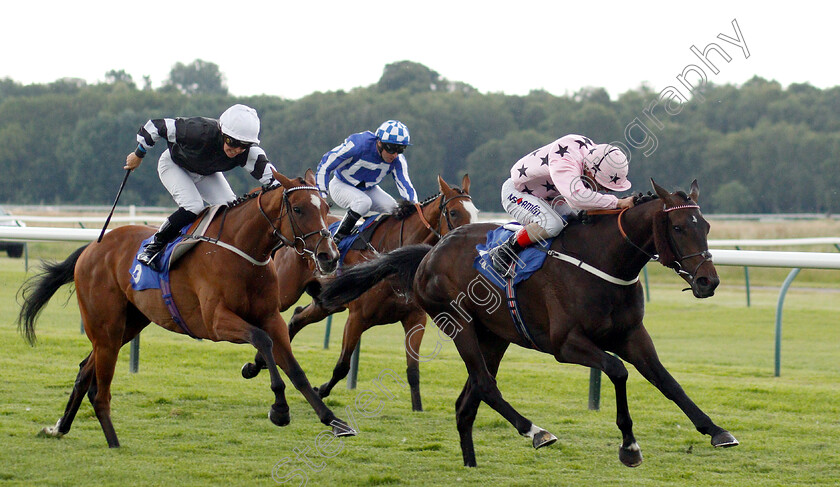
(351, 172)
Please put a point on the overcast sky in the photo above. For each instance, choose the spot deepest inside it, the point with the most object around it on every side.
(291, 49)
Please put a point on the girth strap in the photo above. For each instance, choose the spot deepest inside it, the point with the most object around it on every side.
(516, 315)
(166, 292)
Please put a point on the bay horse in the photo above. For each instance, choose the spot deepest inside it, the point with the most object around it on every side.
(224, 290)
(573, 314)
(438, 215)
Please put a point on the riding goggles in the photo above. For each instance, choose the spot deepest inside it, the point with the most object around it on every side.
(236, 144)
(393, 148)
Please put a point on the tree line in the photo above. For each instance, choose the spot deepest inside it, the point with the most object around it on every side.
(755, 148)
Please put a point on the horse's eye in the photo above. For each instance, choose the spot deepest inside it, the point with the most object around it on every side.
(678, 229)
(297, 210)
(453, 213)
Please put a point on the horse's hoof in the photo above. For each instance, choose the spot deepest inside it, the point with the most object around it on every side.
(50, 432)
(340, 428)
(630, 456)
(280, 418)
(249, 370)
(543, 438)
(724, 439)
(322, 391)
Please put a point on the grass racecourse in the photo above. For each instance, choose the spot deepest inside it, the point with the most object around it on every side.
(188, 418)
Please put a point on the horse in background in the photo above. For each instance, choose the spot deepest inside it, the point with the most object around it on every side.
(581, 307)
(426, 222)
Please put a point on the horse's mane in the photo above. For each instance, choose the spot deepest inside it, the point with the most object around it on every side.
(256, 192)
(406, 208)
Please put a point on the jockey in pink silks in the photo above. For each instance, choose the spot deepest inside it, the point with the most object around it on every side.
(553, 182)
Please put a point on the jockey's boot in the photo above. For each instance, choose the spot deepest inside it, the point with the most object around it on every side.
(170, 229)
(502, 255)
(347, 224)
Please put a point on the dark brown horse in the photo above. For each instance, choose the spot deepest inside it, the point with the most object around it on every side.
(573, 314)
(224, 292)
(380, 305)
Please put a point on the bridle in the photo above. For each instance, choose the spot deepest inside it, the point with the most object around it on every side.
(444, 201)
(676, 265)
(299, 236)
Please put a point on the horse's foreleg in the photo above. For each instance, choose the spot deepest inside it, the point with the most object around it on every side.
(283, 357)
(251, 370)
(414, 326)
(579, 349)
(639, 351)
(279, 413)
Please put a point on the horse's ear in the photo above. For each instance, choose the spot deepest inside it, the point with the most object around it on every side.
(465, 183)
(662, 192)
(695, 191)
(283, 180)
(309, 177)
(444, 188)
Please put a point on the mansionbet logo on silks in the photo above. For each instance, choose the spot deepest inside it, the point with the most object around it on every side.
(526, 205)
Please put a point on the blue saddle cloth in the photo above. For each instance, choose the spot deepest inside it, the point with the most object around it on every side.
(143, 277)
(347, 242)
(529, 260)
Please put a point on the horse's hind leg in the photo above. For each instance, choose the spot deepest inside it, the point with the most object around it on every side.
(483, 384)
(352, 334)
(83, 382)
(639, 351)
(466, 407)
(414, 326)
(304, 316)
(581, 350)
(86, 383)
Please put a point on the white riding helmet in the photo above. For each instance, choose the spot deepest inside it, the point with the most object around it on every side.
(241, 123)
(609, 166)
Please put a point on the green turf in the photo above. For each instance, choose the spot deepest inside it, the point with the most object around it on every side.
(188, 418)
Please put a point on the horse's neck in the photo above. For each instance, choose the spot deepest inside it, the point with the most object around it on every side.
(409, 230)
(244, 227)
(638, 226)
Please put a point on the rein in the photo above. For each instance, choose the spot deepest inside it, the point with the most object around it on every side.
(298, 236)
(442, 206)
(676, 265)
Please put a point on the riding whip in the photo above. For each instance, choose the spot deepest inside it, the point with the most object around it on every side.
(108, 220)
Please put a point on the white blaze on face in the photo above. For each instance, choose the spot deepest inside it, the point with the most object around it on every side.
(316, 202)
(472, 210)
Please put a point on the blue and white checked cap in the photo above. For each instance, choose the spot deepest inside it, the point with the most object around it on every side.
(393, 132)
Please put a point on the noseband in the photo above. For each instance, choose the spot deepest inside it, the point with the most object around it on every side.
(676, 265)
(299, 236)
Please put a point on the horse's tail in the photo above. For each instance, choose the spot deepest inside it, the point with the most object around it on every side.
(38, 289)
(403, 261)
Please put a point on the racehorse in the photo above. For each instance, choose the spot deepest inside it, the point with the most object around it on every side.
(438, 215)
(575, 314)
(224, 289)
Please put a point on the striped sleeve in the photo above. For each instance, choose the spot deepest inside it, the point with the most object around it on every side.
(404, 185)
(331, 161)
(154, 130)
(258, 165)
